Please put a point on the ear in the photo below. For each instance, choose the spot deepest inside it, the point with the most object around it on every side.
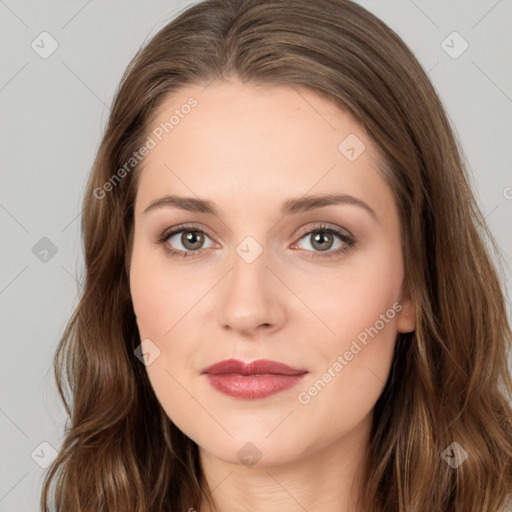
(406, 318)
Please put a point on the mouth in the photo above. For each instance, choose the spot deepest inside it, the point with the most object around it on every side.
(255, 380)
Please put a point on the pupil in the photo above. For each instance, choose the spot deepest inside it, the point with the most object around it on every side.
(190, 236)
(321, 236)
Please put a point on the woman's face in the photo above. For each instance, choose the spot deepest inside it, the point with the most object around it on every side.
(262, 278)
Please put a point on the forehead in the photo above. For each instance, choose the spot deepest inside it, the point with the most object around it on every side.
(257, 142)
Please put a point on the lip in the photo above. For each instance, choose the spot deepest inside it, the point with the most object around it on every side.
(258, 367)
(255, 380)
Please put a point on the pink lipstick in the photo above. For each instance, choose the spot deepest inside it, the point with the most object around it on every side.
(255, 380)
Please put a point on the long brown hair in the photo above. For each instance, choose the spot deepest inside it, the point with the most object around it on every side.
(449, 381)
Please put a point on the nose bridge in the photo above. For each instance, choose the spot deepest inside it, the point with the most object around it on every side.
(249, 297)
(249, 262)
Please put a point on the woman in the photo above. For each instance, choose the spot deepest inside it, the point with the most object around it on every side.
(289, 303)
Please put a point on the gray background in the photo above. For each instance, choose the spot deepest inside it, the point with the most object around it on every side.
(53, 111)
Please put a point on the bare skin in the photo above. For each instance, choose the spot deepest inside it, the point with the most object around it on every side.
(248, 149)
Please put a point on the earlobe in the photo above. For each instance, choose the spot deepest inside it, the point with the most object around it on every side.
(406, 318)
(406, 321)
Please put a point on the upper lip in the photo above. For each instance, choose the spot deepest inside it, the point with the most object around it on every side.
(258, 367)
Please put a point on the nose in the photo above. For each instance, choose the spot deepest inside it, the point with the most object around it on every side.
(251, 296)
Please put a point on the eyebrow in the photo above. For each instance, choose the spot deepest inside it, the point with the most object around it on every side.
(289, 207)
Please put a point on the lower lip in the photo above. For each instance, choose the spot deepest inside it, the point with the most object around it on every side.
(252, 386)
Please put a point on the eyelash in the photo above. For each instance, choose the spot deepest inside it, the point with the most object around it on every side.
(348, 240)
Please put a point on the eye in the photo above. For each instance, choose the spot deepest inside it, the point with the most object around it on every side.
(191, 239)
(322, 239)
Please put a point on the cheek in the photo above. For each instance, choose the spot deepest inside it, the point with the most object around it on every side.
(358, 295)
(360, 306)
(157, 296)
(161, 318)
(353, 363)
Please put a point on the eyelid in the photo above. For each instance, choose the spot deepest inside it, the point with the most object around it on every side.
(324, 225)
(301, 233)
(183, 227)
